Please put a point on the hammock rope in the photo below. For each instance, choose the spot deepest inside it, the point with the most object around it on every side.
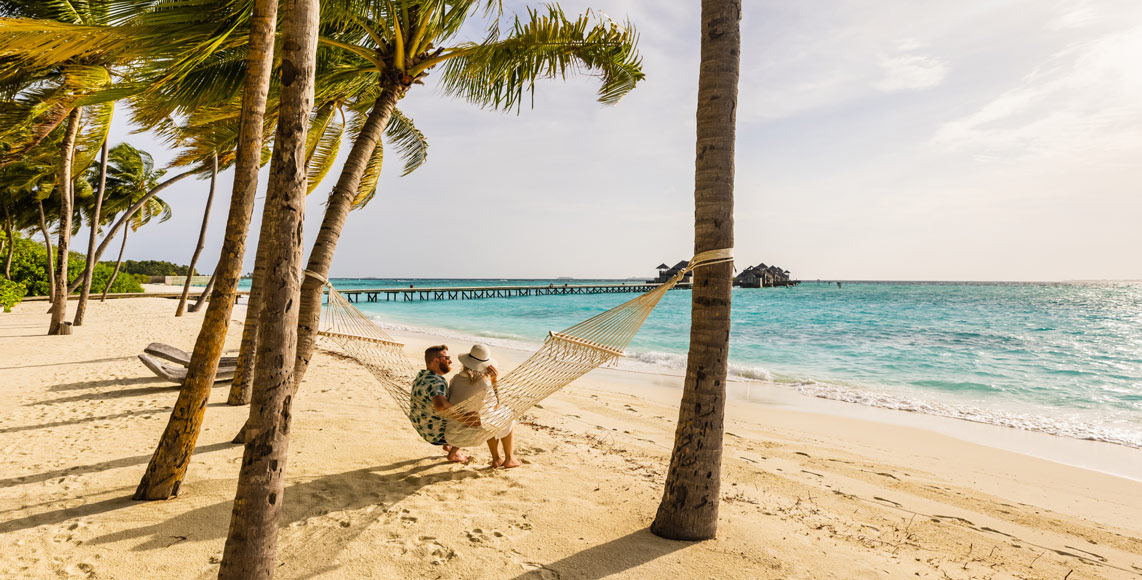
(564, 356)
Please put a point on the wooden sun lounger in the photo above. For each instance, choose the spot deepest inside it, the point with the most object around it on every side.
(177, 374)
(179, 356)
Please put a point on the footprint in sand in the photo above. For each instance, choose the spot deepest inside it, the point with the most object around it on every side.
(82, 569)
(428, 546)
(477, 536)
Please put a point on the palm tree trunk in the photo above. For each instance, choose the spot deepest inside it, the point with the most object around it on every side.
(118, 263)
(11, 242)
(64, 183)
(205, 292)
(689, 508)
(201, 237)
(336, 211)
(127, 215)
(168, 465)
(251, 544)
(243, 376)
(89, 268)
(51, 261)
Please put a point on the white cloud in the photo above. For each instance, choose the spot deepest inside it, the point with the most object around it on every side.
(911, 72)
(1083, 103)
(1075, 14)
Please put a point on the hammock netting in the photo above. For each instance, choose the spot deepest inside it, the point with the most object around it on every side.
(564, 356)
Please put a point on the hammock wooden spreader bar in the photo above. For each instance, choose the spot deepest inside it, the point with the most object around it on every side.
(564, 356)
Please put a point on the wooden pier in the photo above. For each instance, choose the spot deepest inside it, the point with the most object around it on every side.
(478, 292)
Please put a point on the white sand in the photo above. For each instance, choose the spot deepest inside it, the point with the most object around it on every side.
(805, 495)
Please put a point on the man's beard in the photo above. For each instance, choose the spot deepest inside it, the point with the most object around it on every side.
(445, 366)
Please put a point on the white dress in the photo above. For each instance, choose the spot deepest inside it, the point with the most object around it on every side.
(456, 432)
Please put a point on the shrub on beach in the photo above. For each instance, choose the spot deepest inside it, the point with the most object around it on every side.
(29, 265)
(11, 293)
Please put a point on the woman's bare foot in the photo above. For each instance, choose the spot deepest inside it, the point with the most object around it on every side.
(497, 462)
(511, 462)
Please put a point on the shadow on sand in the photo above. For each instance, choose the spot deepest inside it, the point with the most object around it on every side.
(97, 467)
(614, 557)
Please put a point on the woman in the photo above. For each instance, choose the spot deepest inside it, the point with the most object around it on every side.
(477, 381)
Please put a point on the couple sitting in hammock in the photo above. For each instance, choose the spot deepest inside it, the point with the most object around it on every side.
(465, 412)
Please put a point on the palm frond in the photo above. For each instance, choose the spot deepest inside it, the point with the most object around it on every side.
(324, 142)
(495, 73)
(409, 142)
(367, 189)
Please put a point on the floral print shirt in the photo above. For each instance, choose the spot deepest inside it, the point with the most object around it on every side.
(424, 417)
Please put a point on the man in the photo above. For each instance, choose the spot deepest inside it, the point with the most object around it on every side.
(429, 404)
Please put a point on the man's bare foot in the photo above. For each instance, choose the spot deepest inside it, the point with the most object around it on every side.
(496, 462)
(511, 462)
(447, 448)
(456, 457)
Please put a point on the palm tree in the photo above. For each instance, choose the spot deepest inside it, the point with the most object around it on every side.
(167, 466)
(208, 141)
(153, 207)
(9, 235)
(89, 267)
(44, 97)
(689, 507)
(131, 179)
(325, 135)
(398, 43)
(252, 540)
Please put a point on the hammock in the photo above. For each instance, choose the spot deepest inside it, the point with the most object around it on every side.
(564, 356)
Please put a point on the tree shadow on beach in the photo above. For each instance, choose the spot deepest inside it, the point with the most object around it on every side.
(335, 495)
(89, 419)
(108, 395)
(73, 362)
(614, 557)
(101, 466)
(78, 385)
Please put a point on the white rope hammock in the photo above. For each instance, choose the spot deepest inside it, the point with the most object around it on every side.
(564, 356)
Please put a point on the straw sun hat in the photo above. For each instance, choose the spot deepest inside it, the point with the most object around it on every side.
(479, 359)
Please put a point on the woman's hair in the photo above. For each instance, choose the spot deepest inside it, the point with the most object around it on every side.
(476, 376)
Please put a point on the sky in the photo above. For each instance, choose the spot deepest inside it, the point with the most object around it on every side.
(888, 140)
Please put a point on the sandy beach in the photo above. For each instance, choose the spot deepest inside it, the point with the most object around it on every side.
(807, 493)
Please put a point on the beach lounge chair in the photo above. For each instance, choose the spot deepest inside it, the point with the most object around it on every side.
(157, 352)
(179, 356)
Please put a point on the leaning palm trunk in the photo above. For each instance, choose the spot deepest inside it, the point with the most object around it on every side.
(201, 237)
(11, 242)
(251, 544)
(89, 268)
(205, 292)
(244, 374)
(51, 262)
(118, 263)
(127, 215)
(689, 508)
(336, 211)
(168, 465)
(64, 183)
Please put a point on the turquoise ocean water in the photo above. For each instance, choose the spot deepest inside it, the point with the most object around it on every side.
(1064, 358)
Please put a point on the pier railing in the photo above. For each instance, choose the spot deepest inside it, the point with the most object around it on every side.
(478, 292)
(449, 293)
